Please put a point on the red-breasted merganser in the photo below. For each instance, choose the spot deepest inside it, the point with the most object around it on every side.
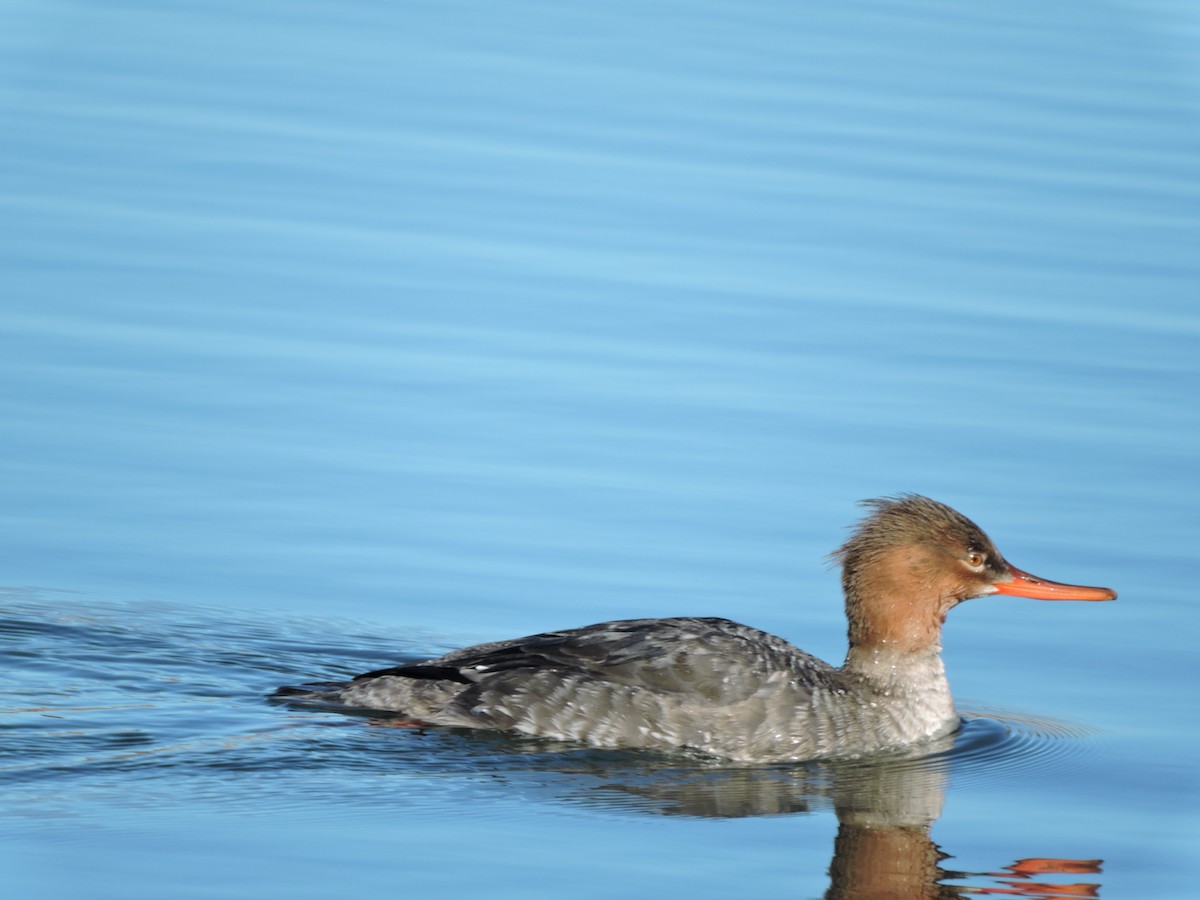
(725, 689)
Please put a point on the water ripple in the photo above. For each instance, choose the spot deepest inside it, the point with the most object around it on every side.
(995, 743)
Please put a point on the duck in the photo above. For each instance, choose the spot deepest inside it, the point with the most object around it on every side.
(723, 689)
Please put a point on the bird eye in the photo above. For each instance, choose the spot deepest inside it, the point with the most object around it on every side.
(975, 559)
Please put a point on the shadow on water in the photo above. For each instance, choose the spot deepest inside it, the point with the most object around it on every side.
(108, 697)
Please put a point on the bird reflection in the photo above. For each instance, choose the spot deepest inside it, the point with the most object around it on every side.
(883, 848)
(886, 805)
(885, 810)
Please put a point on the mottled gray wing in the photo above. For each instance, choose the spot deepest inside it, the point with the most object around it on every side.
(705, 659)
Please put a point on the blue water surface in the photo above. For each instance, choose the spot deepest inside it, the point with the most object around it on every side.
(335, 333)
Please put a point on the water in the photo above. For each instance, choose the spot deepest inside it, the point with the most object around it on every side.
(342, 333)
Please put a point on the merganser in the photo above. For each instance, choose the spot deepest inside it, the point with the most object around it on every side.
(725, 689)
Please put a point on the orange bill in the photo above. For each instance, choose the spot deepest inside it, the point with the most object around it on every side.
(1025, 585)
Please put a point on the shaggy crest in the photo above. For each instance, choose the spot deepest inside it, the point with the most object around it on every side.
(907, 519)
